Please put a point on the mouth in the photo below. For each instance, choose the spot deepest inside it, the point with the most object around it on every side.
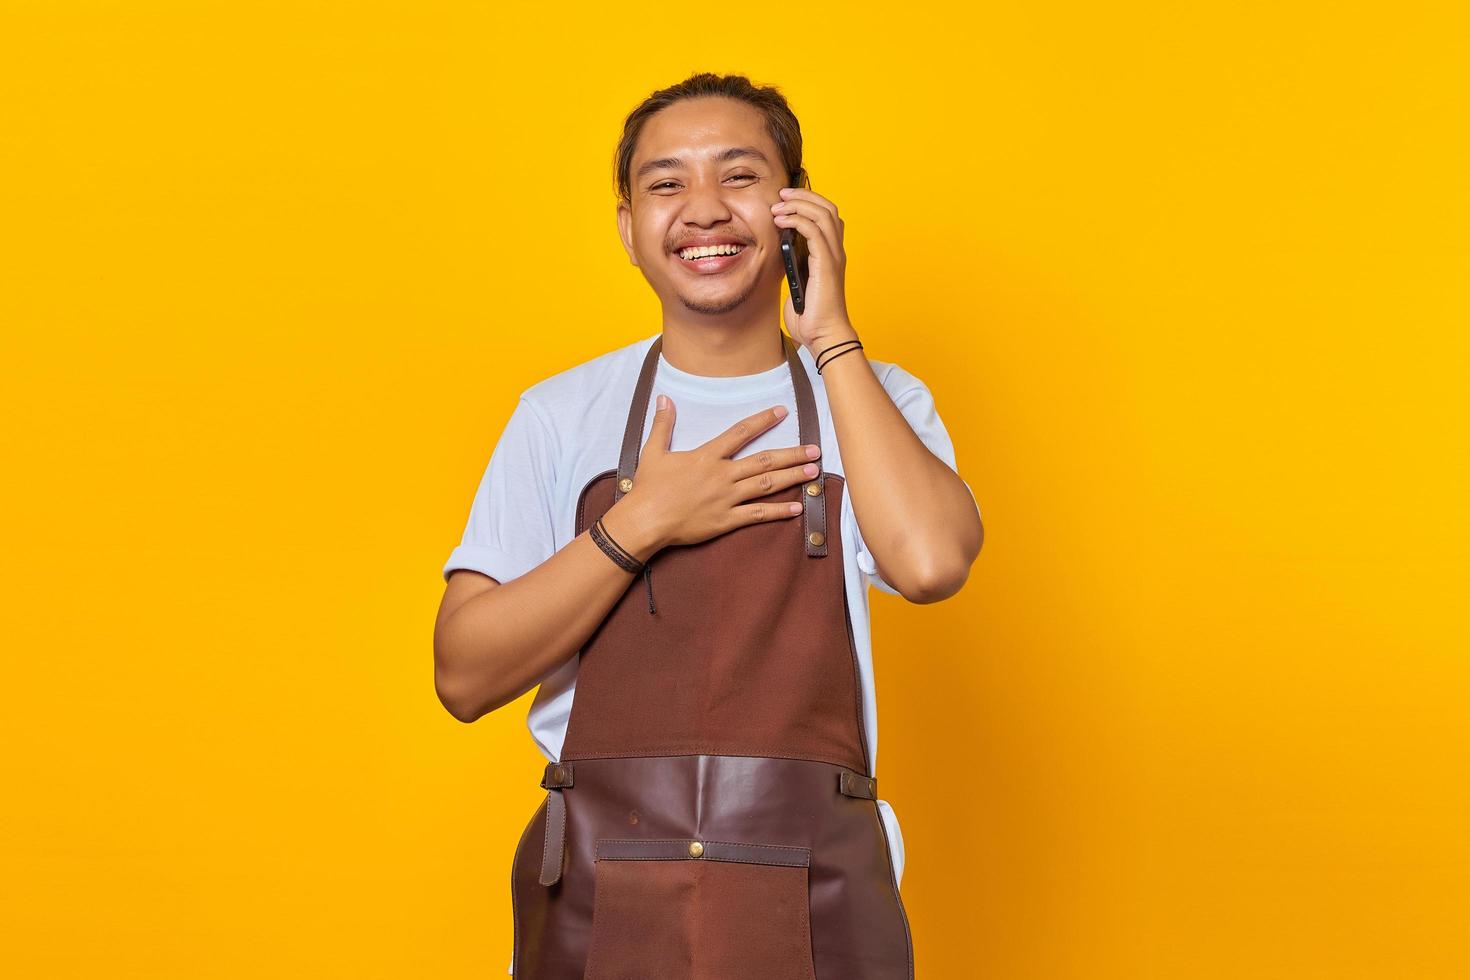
(710, 260)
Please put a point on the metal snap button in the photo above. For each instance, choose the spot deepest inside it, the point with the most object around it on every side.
(695, 848)
(813, 489)
(816, 537)
(625, 484)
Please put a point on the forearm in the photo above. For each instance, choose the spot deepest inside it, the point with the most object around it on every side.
(917, 516)
(502, 642)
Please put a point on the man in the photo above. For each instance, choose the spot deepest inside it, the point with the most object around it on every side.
(712, 806)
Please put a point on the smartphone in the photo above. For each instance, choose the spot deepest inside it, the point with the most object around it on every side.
(794, 254)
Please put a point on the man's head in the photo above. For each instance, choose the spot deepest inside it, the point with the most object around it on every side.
(701, 163)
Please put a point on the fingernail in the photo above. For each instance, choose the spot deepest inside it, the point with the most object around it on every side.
(812, 452)
(780, 411)
(796, 508)
(663, 402)
(810, 469)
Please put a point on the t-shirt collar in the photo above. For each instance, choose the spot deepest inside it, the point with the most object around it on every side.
(735, 388)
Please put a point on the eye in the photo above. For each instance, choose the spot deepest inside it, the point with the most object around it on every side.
(670, 183)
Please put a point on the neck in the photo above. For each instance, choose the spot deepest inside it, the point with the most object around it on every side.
(723, 350)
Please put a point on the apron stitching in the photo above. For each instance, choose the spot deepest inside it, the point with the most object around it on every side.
(592, 952)
(546, 841)
(857, 674)
(809, 968)
(662, 752)
(515, 939)
(893, 880)
(597, 848)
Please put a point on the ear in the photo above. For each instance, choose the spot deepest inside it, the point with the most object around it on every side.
(625, 230)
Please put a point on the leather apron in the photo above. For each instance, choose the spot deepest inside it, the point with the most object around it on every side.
(712, 816)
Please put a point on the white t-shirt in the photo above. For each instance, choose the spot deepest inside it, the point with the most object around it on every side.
(568, 428)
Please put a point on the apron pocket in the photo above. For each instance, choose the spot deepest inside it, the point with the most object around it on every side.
(707, 909)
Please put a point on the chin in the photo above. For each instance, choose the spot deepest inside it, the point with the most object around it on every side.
(711, 306)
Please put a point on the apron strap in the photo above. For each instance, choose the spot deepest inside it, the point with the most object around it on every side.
(815, 511)
(815, 489)
(850, 783)
(637, 415)
(558, 775)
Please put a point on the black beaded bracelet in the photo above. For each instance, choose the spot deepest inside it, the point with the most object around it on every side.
(836, 356)
(824, 353)
(613, 550)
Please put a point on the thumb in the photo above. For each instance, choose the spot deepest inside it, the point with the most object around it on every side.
(662, 429)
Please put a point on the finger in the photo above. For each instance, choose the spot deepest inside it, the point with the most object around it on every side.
(831, 225)
(773, 510)
(743, 431)
(771, 459)
(825, 208)
(804, 194)
(817, 238)
(662, 429)
(773, 480)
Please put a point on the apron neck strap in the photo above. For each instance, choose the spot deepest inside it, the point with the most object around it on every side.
(809, 432)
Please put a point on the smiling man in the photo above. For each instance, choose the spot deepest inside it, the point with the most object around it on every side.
(712, 806)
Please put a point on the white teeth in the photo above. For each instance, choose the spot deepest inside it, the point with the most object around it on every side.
(703, 251)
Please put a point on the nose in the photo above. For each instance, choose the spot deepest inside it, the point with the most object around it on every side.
(705, 204)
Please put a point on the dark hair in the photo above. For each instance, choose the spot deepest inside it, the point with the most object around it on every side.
(781, 122)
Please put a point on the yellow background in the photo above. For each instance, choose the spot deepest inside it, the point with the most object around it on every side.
(1188, 282)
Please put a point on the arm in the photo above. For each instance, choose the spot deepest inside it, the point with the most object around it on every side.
(920, 522)
(918, 517)
(515, 607)
(493, 642)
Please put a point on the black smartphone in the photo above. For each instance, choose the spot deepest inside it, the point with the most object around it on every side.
(794, 254)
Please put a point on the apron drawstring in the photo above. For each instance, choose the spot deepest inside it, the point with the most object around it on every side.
(648, 580)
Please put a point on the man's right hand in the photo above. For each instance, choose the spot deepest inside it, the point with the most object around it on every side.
(691, 496)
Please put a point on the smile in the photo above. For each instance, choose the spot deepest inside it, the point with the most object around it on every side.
(710, 260)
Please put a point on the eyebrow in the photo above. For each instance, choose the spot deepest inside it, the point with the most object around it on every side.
(674, 163)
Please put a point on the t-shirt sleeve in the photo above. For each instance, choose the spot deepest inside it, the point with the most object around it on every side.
(916, 404)
(511, 528)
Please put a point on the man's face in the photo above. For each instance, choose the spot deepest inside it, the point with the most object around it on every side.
(720, 190)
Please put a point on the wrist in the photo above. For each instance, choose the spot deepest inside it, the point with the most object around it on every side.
(831, 340)
(836, 352)
(636, 535)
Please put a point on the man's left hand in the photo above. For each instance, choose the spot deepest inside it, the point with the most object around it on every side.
(824, 320)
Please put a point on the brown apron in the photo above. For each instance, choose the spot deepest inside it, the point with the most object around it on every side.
(712, 816)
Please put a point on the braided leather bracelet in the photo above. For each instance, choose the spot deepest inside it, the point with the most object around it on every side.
(615, 551)
(838, 354)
